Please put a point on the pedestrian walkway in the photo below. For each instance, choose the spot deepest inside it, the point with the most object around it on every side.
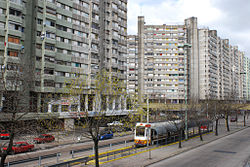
(163, 152)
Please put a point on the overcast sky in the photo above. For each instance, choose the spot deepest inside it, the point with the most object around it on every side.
(231, 18)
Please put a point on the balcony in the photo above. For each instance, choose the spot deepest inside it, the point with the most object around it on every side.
(49, 77)
(15, 19)
(15, 33)
(62, 68)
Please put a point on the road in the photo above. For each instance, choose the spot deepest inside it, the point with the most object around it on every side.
(230, 151)
(81, 149)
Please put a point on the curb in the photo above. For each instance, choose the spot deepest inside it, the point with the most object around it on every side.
(191, 148)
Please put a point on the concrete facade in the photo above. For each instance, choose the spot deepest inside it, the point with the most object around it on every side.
(62, 40)
(185, 62)
(164, 62)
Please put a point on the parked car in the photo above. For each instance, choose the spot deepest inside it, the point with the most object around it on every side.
(44, 138)
(115, 123)
(4, 135)
(106, 135)
(19, 147)
(233, 119)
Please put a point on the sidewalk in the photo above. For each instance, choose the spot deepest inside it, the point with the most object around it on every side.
(163, 152)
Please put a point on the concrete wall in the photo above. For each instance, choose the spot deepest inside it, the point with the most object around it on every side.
(193, 39)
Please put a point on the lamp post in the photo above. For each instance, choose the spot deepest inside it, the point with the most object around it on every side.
(244, 98)
(148, 130)
(2, 83)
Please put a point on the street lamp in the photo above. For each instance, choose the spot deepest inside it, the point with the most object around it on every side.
(148, 130)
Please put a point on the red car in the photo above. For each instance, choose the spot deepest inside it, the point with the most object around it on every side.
(4, 135)
(43, 138)
(19, 147)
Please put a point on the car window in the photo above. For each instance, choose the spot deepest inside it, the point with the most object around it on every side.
(17, 145)
(24, 144)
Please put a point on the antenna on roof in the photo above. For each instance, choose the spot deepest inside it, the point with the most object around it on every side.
(141, 10)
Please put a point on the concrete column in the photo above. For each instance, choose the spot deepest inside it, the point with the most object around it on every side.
(94, 102)
(50, 108)
(140, 58)
(119, 99)
(86, 102)
(1, 101)
(125, 104)
(70, 108)
(68, 124)
(193, 54)
(39, 102)
(107, 103)
(113, 104)
(59, 108)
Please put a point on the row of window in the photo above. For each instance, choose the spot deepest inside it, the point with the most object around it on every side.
(167, 29)
(14, 40)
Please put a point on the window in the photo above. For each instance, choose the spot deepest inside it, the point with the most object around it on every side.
(15, 26)
(13, 53)
(65, 108)
(14, 40)
(15, 13)
(2, 25)
(2, 11)
(39, 21)
(63, 28)
(49, 47)
(50, 11)
(50, 35)
(50, 23)
(49, 83)
(49, 71)
(17, 1)
(140, 131)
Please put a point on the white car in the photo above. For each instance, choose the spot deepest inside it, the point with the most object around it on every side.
(115, 123)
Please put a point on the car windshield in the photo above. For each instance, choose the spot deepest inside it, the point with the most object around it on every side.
(17, 145)
(41, 136)
(140, 131)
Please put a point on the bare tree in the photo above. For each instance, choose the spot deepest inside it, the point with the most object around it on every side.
(213, 112)
(107, 98)
(178, 122)
(14, 87)
(197, 115)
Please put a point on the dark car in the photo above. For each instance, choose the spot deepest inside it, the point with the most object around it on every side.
(4, 135)
(44, 138)
(106, 135)
(19, 147)
(233, 119)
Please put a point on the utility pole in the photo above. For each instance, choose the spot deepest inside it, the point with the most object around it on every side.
(148, 129)
(147, 110)
(207, 110)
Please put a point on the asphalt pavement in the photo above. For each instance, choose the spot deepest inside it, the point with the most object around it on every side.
(230, 151)
(213, 151)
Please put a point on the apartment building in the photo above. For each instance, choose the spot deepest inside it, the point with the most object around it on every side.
(209, 69)
(221, 67)
(132, 64)
(247, 76)
(63, 39)
(162, 55)
(182, 62)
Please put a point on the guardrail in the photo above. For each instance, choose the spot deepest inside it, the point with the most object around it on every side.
(58, 155)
